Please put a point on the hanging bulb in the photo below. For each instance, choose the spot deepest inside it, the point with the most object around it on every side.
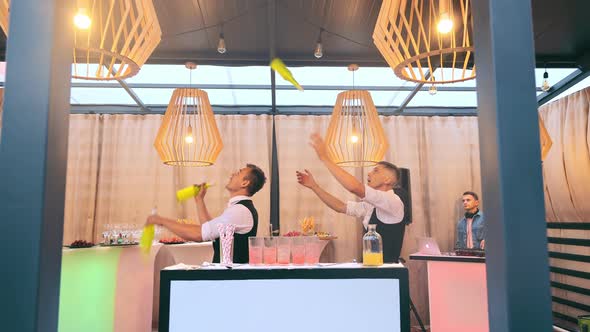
(189, 139)
(221, 44)
(319, 52)
(319, 48)
(432, 90)
(354, 138)
(82, 20)
(445, 24)
(545, 86)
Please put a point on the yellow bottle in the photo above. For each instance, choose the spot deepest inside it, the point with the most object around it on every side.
(189, 192)
(147, 236)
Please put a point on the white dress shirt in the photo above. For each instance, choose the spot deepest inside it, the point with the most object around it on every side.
(390, 208)
(236, 214)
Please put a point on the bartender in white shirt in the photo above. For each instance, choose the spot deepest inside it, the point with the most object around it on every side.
(240, 211)
(380, 205)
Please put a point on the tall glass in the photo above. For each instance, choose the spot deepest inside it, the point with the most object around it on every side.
(298, 250)
(283, 250)
(255, 245)
(270, 251)
(312, 250)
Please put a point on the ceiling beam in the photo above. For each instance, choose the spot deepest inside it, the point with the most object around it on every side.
(287, 110)
(409, 97)
(263, 87)
(133, 95)
(561, 86)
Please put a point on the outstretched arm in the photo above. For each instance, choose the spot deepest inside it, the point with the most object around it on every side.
(348, 181)
(306, 179)
(185, 231)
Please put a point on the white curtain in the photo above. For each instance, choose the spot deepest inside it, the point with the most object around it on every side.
(81, 179)
(566, 168)
(297, 202)
(566, 175)
(132, 179)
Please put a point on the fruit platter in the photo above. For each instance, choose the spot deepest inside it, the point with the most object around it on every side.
(308, 226)
(80, 244)
(172, 240)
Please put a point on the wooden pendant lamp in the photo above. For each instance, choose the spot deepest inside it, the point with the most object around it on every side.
(417, 37)
(188, 135)
(355, 137)
(112, 38)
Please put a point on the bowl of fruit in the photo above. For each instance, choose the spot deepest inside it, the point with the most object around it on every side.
(80, 244)
(172, 240)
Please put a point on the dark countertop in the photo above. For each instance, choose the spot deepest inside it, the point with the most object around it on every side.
(448, 258)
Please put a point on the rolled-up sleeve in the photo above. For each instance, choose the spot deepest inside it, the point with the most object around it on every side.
(237, 214)
(356, 209)
(390, 208)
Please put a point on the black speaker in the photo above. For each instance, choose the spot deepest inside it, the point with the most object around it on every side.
(403, 190)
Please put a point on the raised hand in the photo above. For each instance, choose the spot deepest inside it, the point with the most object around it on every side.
(318, 144)
(202, 191)
(306, 179)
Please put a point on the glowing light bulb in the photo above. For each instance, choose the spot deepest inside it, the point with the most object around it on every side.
(82, 20)
(545, 86)
(221, 44)
(432, 90)
(319, 50)
(445, 24)
(354, 138)
(189, 135)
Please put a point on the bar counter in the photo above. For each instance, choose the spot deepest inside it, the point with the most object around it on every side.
(323, 297)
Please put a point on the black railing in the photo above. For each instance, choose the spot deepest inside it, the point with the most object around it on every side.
(560, 319)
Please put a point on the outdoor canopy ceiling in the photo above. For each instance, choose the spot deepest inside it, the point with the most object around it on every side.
(191, 30)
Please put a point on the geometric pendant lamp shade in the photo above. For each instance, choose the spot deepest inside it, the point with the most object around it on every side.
(188, 135)
(417, 37)
(355, 137)
(4, 14)
(113, 38)
(546, 141)
(121, 37)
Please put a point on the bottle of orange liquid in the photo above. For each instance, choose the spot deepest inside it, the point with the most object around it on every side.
(372, 247)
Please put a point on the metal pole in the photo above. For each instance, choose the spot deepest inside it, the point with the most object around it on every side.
(33, 160)
(516, 243)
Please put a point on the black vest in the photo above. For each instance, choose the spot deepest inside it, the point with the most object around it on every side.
(392, 236)
(240, 240)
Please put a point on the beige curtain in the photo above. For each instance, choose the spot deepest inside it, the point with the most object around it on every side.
(566, 174)
(567, 165)
(298, 202)
(116, 152)
(81, 178)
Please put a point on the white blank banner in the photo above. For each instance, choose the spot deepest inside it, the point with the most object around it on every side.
(287, 305)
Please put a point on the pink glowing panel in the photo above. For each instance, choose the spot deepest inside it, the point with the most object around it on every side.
(458, 296)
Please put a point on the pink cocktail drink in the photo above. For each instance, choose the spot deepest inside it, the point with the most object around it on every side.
(298, 253)
(255, 255)
(255, 245)
(270, 255)
(312, 250)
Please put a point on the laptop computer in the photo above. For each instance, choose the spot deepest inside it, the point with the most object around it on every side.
(428, 246)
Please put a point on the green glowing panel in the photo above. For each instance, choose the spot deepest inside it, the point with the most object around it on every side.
(87, 294)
